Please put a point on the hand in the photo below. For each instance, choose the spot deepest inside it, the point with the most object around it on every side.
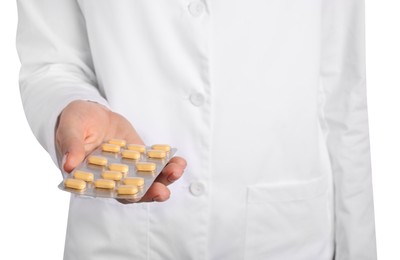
(84, 125)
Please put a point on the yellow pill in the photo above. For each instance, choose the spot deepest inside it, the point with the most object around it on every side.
(75, 184)
(163, 147)
(112, 175)
(130, 154)
(85, 176)
(119, 142)
(119, 167)
(104, 184)
(127, 189)
(137, 147)
(145, 166)
(134, 181)
(158, 154)
(97, 160)
(112, 148)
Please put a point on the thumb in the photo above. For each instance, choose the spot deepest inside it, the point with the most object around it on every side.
(72, 147)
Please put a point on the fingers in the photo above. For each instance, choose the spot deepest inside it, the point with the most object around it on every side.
(172, 171)
(179, 160)
(157, 192)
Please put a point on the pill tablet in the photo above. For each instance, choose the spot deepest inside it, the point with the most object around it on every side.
(163, 147)
(119, 142)
(119, 167)
(97, 160)
(127, 189)
(112, 175)
(85, 176)
(138, 181)
(130, 154)
(137, 147)
(145, 166)
(112, 148)
(104, 184)
(75, 184)
(158, 154)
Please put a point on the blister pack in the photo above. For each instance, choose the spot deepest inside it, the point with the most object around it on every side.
(118, 170)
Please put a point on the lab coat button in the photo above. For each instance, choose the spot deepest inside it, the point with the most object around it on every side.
(196, 8)
(197, 188)
(197, 99)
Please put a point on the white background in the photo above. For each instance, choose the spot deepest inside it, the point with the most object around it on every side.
(33, 220)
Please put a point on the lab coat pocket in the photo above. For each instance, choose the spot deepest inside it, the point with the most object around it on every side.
(101, 229)
(289, 221)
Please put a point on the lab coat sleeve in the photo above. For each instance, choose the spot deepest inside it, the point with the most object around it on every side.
(56, 63)
(345, 116)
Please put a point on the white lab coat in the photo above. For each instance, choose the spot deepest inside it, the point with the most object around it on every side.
(266, 100)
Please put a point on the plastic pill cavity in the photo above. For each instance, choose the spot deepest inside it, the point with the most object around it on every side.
(104, 184)
(158, 154)
(127, 189)
(75, 184)
(97, 160)
(130, 154)
(112, 175)
(138, 181)
(145, 166)
(119, 167)
(112, 148)
(119, 142)
(163, 147)
(85, 176)
(137, 147)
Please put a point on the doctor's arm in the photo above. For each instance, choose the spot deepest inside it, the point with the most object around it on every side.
(56, 64)
(346, 124)
(59, 90)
